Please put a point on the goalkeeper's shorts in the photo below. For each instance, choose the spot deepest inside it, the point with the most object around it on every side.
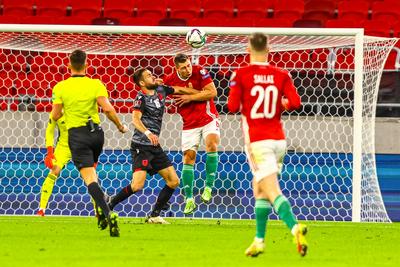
(265, 157)
(62, 155)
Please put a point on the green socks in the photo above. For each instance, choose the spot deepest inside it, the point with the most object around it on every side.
(47, 189)
(211, 168)
(284, 210)
(187, 178)
(263, 209)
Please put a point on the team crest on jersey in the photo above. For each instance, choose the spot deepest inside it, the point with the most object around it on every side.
(145, 162)
(137, 103)
(204, 73)
(160, 96)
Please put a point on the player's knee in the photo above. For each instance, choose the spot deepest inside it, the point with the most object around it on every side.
(212, 147)
(189, 157)
(174, 182)
(137, 186)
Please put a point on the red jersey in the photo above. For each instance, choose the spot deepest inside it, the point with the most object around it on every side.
(257, 90)
(195, 114)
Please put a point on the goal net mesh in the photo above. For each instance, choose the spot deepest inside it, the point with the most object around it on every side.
(318, 168)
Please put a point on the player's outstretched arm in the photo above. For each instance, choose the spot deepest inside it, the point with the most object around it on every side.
(184, 90)
(111, 114)
(137, 122)
(208, 92)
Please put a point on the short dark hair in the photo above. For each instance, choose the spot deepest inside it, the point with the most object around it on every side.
(180, 58)
(77, 59)
(259, 41)
(137, 76)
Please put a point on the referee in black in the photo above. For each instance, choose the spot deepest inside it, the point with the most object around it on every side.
(147, 155)
(79, 96)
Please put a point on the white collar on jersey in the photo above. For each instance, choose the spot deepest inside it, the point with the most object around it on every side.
(260, 63)
(177, 73)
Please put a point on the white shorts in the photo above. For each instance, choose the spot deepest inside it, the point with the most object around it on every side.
(265, 157)
(191, 138)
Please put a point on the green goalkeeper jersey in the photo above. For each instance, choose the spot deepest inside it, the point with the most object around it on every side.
(62, 132)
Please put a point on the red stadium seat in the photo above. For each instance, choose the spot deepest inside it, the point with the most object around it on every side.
(209, 22)
(319, 10)
(307, 23)
(341, 23)
(252, 9)
(145, 21)
(388, 11)
(118, 8)
(38, 20)
(18, 7)
(186, 9)
(10, 19)
(274, 22)
(396, 32)
(77, 20)
(90, 9)
(241, 22)
(289, 9)
(353, 10)
(51, 7)
(151, 8)
(218, 9)
(172, 22)
(380, 28)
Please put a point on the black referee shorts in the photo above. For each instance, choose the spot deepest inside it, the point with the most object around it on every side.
(148, 158)
(85, 145)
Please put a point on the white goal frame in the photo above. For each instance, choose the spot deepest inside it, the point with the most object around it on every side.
(357, 34)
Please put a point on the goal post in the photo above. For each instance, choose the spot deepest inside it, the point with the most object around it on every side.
(329, 171)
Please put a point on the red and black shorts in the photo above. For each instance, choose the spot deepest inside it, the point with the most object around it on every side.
(148, 158)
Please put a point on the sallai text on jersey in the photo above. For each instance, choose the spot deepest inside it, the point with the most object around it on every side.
(152, 108)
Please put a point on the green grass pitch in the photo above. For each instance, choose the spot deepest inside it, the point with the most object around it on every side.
(76, 241)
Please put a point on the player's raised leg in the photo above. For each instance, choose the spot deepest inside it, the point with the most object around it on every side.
(211, 133)
(137, 184)
(171, 183)
(189, 158)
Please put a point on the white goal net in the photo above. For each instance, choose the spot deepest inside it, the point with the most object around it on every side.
(329, 171)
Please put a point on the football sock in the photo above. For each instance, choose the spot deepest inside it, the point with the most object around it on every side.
(263, 209)
(163, 197)
(211, 168)
(47, 189)
(187, 178)
(98, 196)
(121, 196)
(284, 210)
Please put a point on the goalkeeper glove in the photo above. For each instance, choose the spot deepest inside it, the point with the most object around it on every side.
(48, 161)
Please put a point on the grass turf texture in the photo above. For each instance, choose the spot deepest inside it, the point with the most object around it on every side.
(75, 241)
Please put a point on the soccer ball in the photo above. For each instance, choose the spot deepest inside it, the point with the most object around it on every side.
(196, 38)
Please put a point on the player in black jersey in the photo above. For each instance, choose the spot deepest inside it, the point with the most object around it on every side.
(147, 154)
